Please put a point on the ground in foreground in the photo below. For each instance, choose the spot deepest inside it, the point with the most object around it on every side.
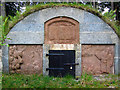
(40, 81)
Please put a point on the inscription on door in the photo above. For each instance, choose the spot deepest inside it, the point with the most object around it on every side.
(61, 31)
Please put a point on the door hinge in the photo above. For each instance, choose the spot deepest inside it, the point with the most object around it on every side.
(70, 64)
(55, 69)
(55, 54)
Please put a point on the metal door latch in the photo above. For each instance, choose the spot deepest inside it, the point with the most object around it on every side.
(70, 67)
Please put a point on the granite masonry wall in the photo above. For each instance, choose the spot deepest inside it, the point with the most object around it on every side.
(92, 30)
(0, 59)
(0, 67)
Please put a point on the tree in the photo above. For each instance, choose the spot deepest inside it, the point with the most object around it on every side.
(13, 7)
(2, 14)
(110, 5)
(116, 6)
(2, 8)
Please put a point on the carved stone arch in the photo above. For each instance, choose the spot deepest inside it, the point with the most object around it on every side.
(62, 30)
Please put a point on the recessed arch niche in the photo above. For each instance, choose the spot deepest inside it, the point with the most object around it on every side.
(62, 30)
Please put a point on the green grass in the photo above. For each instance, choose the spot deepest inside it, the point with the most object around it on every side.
(39, 81)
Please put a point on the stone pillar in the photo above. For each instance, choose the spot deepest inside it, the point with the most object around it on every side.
(0, 60)
(0, 68)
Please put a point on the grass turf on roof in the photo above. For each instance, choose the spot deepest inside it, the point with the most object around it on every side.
(31, 9)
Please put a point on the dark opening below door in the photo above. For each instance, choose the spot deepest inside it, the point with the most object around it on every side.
(61, 63)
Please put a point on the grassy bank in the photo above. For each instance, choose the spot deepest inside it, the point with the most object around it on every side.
(39, 81)
(9, 22)
(31, 9)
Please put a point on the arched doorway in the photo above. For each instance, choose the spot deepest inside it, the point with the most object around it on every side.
(61, 34)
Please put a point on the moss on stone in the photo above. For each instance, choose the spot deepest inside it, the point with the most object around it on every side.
(31, 9)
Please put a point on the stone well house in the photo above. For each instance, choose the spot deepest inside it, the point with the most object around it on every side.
(59, 41)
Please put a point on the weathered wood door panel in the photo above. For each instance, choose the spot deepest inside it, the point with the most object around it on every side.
(61, 30)
(61, 62)
(98, 59)
(25, 59)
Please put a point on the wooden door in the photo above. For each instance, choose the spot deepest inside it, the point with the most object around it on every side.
(61, 63)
